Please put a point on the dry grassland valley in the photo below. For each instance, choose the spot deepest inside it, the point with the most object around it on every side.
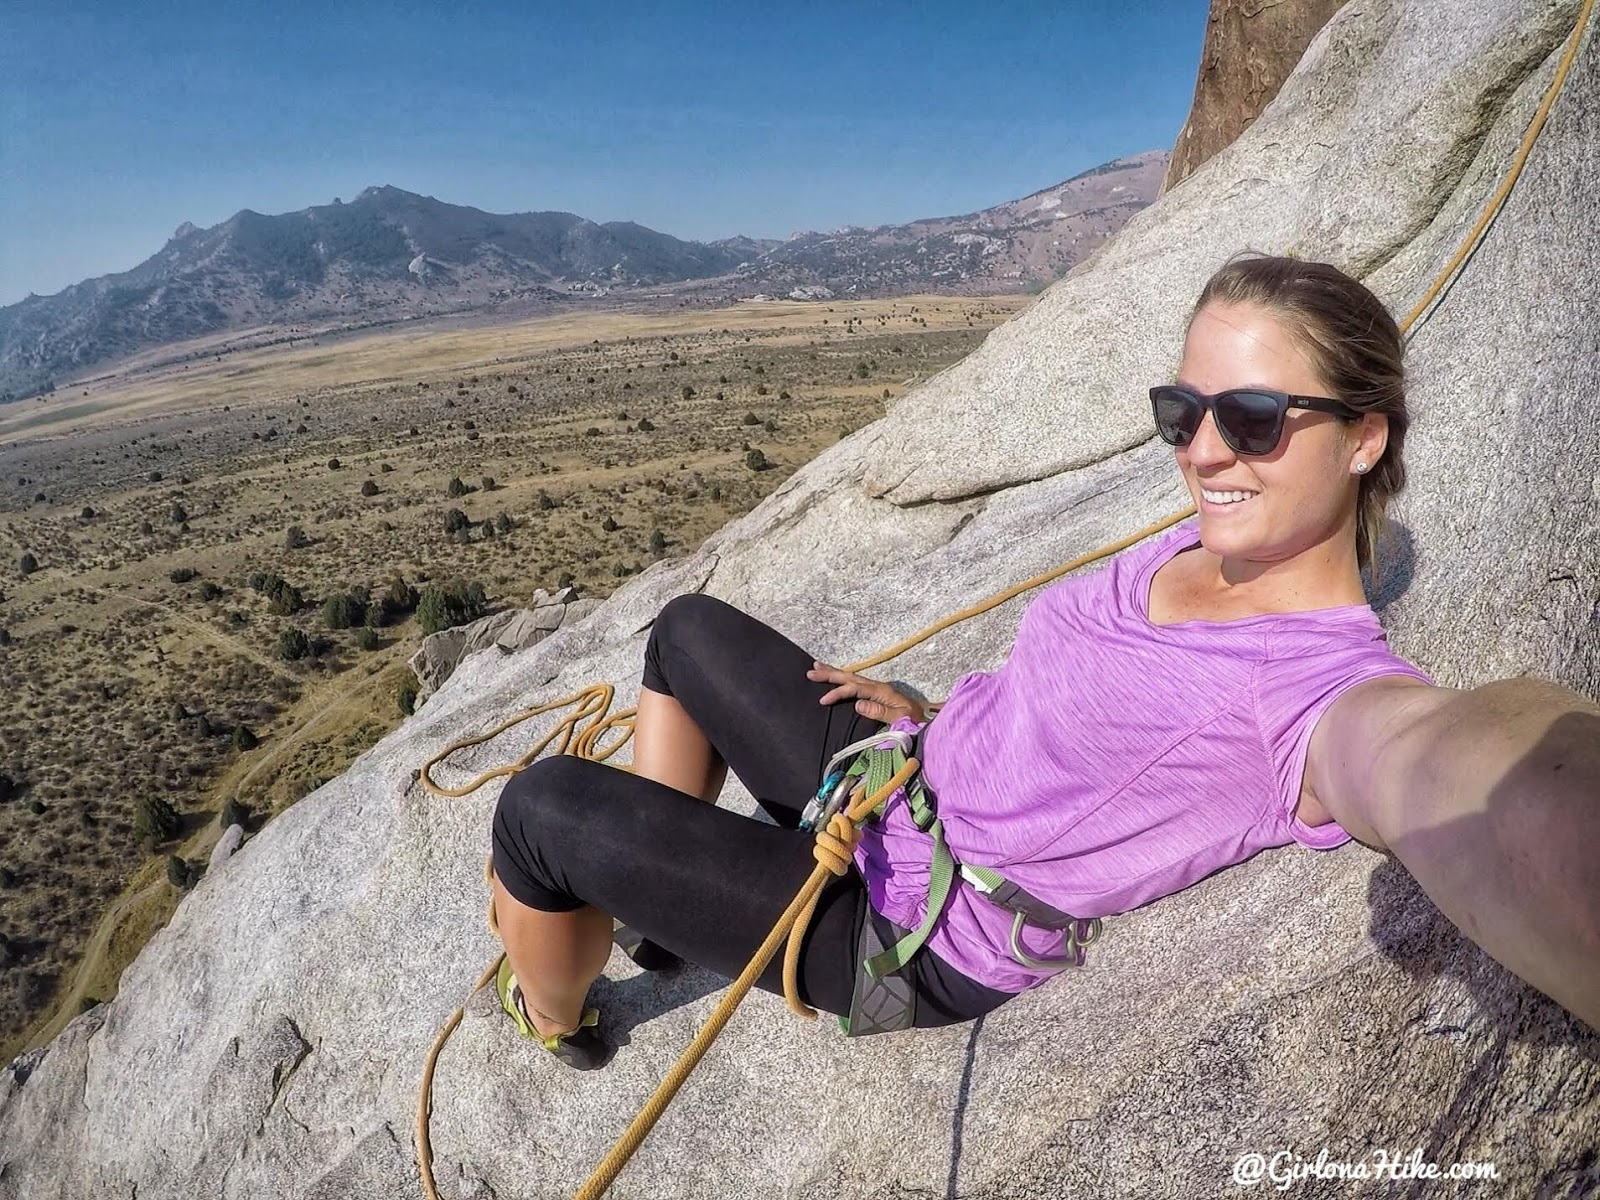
(214, 571)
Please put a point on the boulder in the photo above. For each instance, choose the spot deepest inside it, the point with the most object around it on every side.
(230, 841)
(270, 1040)
(1250, 48)
(506, 632)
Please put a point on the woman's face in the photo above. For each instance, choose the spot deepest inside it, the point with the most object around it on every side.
(1304, 491)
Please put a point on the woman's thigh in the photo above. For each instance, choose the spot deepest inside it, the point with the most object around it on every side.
(702, 881)
(744, 684)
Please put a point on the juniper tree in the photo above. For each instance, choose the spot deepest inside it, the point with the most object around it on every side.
(154, 820)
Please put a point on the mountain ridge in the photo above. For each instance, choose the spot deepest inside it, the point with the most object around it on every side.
(390, 254)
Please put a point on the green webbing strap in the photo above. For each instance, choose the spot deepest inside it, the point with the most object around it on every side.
(878, 766)
(940, 874)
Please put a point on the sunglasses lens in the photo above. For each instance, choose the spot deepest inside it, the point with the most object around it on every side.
(1177, 415)
(1251, 421)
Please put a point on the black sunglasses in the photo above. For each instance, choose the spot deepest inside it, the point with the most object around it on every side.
(1250, 420)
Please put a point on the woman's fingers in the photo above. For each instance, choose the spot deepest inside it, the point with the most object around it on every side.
(873, 697)
(821, 672)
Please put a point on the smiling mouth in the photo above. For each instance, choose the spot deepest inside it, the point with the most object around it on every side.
(1226, 502)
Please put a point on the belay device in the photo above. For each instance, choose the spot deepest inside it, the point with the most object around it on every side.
(882, 1000)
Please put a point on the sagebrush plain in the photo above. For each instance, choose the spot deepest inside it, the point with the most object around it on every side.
(155, 519)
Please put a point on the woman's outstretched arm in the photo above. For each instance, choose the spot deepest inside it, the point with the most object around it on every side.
(1490, 797)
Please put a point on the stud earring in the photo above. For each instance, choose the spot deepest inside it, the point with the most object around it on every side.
(1361, 466)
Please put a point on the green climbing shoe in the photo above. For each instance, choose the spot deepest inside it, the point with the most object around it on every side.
(582, 1048)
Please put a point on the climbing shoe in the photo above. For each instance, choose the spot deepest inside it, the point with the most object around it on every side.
(582, 1048)
(642, 950)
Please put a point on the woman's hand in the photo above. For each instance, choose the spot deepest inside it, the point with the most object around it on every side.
(875, 699)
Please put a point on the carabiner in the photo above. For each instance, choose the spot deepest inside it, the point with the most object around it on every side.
(836, 784)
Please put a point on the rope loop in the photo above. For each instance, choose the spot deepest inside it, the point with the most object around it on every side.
(835, 846)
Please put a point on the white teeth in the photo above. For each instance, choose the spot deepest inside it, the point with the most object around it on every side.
(1225, 497)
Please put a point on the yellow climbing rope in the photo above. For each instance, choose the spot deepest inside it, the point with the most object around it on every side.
(835, 844)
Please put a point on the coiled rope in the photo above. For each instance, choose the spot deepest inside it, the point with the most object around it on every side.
(835, 844)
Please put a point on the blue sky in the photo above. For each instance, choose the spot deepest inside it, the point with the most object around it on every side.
(119, 121)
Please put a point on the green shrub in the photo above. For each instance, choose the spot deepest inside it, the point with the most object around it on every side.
(27, 564)
(451, 605)
(756, 461)
(610, 525)
(179, 873)
(646, 425)
(400, 596)
(154, 820)
(750, 419)
(338, 612)
(243, 739)
(406, 697)
(369, 488)
(293, 644)
(177, 514)
(367, 638)
(233, 813)
(209, 591)
(181, 574)
(455, 519)
(284, 600)
(455, 488)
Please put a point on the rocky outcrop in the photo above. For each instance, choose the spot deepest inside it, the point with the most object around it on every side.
(1250, 48)
(227, 845)
(506, 632)
(269, 1041)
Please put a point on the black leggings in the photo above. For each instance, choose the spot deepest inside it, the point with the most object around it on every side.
(699, 880)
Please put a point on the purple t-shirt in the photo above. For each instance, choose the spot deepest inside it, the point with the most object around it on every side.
(1111, 761)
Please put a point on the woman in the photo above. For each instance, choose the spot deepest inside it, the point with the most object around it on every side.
(1218, 689)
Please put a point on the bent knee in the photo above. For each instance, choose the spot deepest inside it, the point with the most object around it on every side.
(685, 612)
(535, 799)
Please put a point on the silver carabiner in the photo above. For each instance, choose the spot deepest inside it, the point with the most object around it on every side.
(836, 786)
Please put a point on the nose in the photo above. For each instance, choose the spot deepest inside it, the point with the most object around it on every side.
(1207, 448)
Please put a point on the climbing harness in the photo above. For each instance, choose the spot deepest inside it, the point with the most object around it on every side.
(837, 836)
(872, 760)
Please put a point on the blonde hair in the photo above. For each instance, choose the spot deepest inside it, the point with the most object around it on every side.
(1352, 341)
